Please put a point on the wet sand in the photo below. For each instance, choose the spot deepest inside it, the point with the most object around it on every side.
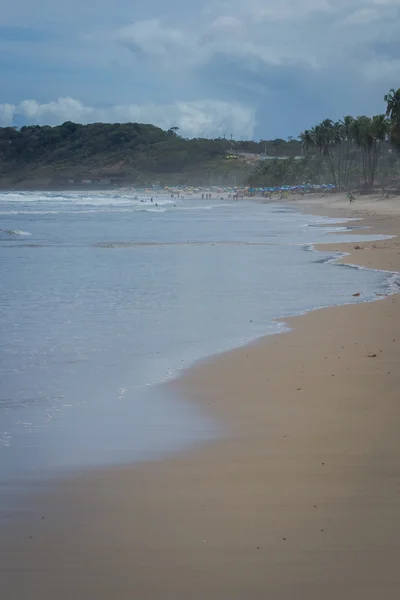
(300, 499)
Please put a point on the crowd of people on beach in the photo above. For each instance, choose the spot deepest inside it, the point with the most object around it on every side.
(236, 194)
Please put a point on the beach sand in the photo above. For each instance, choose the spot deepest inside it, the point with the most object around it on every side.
(299, 500)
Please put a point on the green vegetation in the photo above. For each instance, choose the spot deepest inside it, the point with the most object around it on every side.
(128, 153)
(392, 100)
(352, 152)
(119, 153)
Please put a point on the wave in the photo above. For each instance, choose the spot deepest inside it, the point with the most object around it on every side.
(392, 282)
(83, 209)
(30, 212)
(331, 221)
(76, 200)
(16, 232)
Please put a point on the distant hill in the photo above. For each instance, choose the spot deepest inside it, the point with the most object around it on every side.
(100, 154)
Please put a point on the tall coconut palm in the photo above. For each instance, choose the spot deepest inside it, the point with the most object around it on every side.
(369, 135)
(307, 139)
(392, 100)
(359, 126)
(327, 138)
(350, 148)
(380, 129)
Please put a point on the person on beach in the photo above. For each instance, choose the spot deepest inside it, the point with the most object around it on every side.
(350, 197)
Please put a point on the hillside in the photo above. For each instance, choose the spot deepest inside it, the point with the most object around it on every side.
(116, 154)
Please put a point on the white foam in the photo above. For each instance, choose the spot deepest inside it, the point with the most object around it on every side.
(392, 283)
(47, 202)
(330, 221)
(15, 232)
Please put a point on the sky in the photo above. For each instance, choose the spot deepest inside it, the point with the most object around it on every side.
(253, 69)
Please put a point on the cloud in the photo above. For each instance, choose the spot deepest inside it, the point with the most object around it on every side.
(202, 118)
(267, 11)
(312, 34)
(290, 61)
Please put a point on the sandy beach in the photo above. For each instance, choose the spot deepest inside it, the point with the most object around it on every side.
(299, 500)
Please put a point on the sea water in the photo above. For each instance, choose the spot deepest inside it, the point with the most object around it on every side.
(104, 295)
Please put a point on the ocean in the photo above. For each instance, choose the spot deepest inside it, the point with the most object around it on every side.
(104, 296)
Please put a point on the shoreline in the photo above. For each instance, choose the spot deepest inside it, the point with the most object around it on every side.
(299, 501)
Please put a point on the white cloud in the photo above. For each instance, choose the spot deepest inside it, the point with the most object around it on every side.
(63, 109)
(213, 117)
(249, 34)
(290, 59)
(313, 34)
(265, 11)
(194, 119)
(227, 23)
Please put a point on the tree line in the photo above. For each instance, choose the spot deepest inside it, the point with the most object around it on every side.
(349, 152)
(353, 151)
(126, 153)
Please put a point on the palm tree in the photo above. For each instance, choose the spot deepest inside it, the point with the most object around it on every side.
(327, 138)
(307, 139)
(347, 137)
(392, 100)
(358, 128)
(380, 129)
(369, 135)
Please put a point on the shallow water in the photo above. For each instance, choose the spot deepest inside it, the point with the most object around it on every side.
(103, 297)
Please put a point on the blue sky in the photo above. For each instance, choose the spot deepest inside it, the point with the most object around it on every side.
(253, 68)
